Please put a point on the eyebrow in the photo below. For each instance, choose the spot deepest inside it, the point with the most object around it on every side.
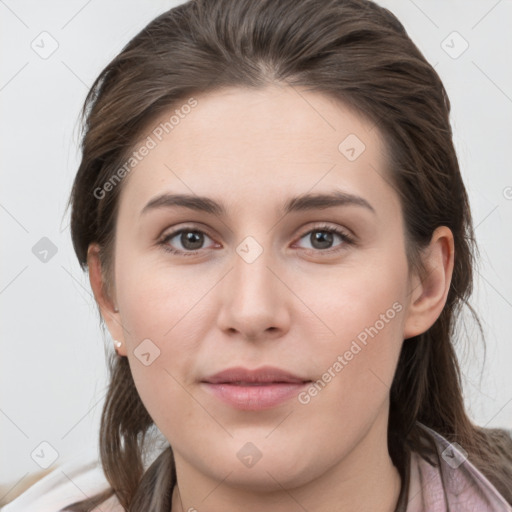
(303, 202)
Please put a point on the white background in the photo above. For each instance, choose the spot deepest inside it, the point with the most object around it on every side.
(53, 372)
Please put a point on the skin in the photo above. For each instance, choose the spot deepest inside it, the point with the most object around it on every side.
(293, 307)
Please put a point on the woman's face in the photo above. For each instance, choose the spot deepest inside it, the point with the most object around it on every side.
(263, 280)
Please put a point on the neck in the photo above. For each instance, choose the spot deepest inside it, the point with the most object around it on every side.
(365, 479)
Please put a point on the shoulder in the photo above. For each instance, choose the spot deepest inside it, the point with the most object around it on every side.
(73, 481)
(454, 484)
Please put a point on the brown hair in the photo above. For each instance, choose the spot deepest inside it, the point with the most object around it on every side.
(352, 50)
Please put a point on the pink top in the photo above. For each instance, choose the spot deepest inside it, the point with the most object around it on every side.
(467, 489)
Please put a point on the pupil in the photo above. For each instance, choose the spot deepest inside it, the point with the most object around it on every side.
(187, 239)
(322, 237)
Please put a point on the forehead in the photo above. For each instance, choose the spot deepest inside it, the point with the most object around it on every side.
(259, 145)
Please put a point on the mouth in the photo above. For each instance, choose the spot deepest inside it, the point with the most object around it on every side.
(242, 383)
(253, 390)
(264, 375)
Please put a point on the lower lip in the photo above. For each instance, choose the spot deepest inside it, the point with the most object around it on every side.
(255, 398)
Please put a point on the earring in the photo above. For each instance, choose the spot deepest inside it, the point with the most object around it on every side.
(116, 310)
(118, 343)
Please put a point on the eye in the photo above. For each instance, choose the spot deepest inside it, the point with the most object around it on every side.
(191, 240)
(322, 237)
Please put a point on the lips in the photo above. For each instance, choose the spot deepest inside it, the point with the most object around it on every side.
(253, 390)
(260, 376)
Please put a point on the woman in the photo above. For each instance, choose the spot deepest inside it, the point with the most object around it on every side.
(225, 136)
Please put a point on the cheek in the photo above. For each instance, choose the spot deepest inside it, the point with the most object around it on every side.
(356, 369)
(363, 308)
(162, 336)
(361, 300)
(155, 297)
(358, 363)
(167, 400)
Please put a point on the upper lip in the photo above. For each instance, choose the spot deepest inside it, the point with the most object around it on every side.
(263, 374)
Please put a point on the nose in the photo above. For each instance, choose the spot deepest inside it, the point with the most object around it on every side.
(254, 299)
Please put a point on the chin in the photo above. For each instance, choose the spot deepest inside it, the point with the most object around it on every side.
(276, 467)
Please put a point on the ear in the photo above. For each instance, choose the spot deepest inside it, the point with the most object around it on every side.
(428, 293)
(105, 303)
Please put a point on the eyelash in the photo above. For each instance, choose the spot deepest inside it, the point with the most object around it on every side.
(347, 240)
